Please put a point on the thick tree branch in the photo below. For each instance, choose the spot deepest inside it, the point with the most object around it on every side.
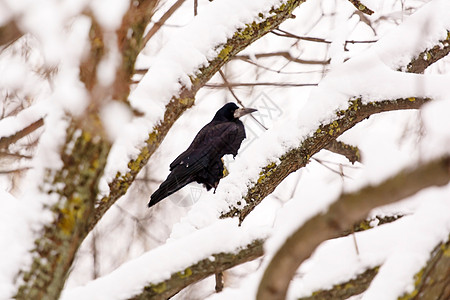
(342, 214)
(347, 289)
(201, 270)
(130, 37)
(9, 33)
(274, 174)
(84, 155)
(433, 281)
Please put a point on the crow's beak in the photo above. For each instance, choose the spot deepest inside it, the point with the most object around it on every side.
(242, 112)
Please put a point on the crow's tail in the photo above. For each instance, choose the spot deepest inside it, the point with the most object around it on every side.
(173, 183)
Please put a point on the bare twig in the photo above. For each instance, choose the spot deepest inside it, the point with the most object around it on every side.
(287, 55)
(244, 84)
(314, 39)
(227, 84)
(160, 23)
(219, 282)
(350, 152)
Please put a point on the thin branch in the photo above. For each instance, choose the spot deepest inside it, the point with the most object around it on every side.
(347, 210)
(245, 84)
(164, 18)
(287, 55)
(314, 39)
(227, 84)
(6, 141)
(361, 7)
(350, 152)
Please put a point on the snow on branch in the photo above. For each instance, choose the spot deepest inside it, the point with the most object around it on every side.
(162, 272)
(274, 173)
(430, 281)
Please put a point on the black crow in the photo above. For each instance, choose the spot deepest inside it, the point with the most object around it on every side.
(202, 161)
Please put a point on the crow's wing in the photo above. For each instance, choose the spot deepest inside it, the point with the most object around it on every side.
(200, 161)
(214, 140)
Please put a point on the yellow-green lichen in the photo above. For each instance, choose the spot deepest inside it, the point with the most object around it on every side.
(184, 274)
(152, 137)
(225, 52)
(354, 104)
(135, 165)
(159, 288)
(412, 99)
(69, 215)
(187, 101)
(445, 250)
(417, 281)
(361, 7)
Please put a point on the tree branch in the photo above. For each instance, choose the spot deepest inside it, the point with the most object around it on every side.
(9, 33)
(161, 21)
(287, 55)
(433, 281)
(342, 214)
(131, 42)
(429, 56)
(274, 174)
(347, 289)
(361, 7)
(350, 152)
(6, 141)
(245, 84)
(201, 270)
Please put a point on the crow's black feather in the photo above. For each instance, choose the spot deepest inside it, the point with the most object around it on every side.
(202, 162)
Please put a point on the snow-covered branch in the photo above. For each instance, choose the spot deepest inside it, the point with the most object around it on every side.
(342, 214)
(430, 281)
(273, 174)
(166, 270)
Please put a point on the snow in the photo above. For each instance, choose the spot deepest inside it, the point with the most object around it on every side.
(109, 13)
(159, 264)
